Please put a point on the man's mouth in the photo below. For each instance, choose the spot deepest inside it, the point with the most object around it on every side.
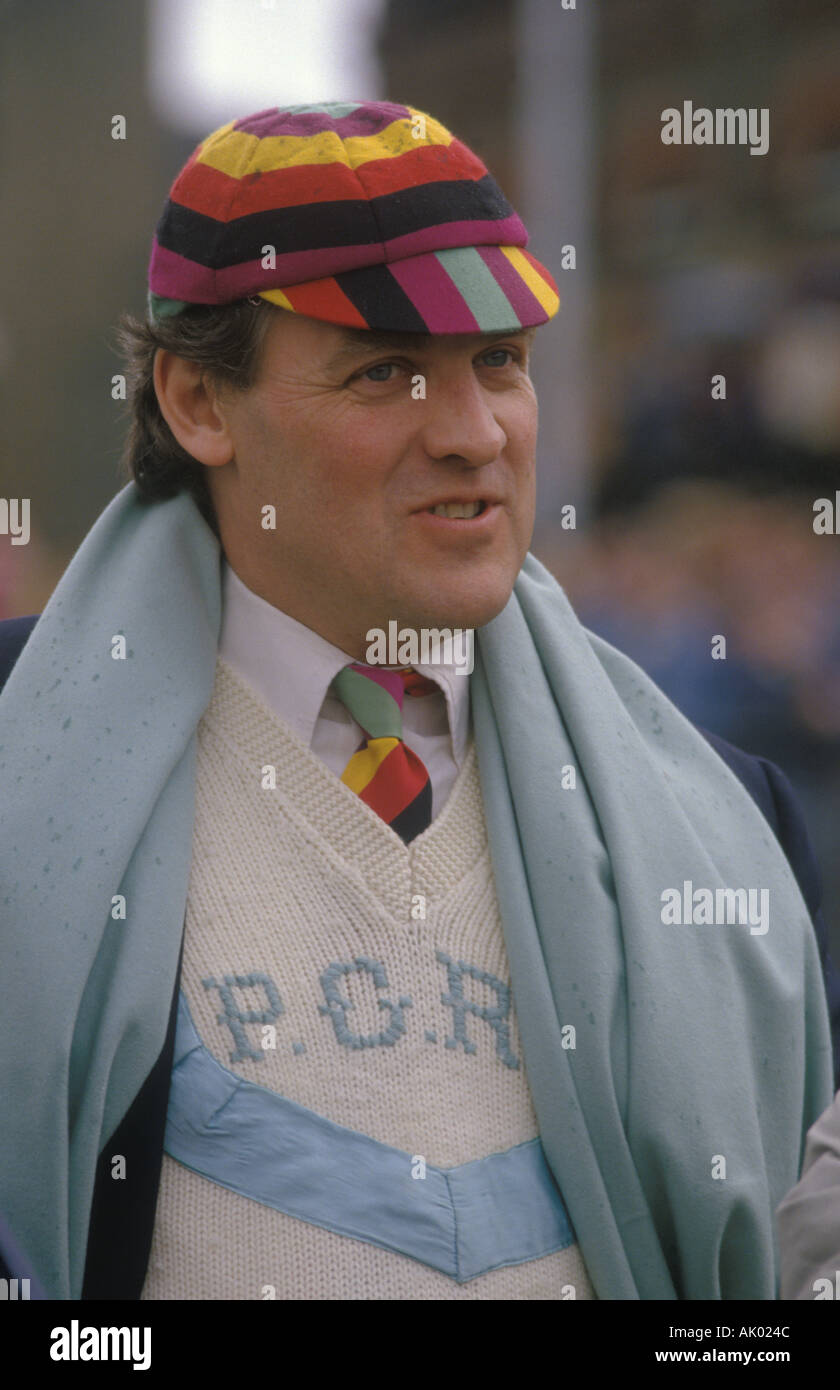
(458, 510)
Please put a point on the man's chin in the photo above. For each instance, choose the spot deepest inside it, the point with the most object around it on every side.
(451, 611)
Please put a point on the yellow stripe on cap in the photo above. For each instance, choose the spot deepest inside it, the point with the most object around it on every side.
(213, 139)
(364, 765)
(277, 297)
(539, 288)
(241, 152)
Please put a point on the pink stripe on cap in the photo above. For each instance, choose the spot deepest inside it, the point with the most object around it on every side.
(507, 231)
(525, 305)
(427, 285)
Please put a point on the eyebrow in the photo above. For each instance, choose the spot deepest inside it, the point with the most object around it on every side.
(359, 341)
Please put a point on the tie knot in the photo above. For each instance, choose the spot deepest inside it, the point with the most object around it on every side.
(374, 696)
(415, 684)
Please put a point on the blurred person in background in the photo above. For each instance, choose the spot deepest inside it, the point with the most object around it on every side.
(809, 1217)
(703, 525)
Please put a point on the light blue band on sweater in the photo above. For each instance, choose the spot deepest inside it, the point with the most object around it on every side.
(500, 1210)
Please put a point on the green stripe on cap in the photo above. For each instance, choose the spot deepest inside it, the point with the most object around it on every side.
(474, 281)
(329, 108)
(162, 308)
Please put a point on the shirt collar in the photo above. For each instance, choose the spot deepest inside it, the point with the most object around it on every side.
(291, 667)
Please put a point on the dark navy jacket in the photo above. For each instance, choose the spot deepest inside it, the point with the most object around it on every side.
(123, 1213)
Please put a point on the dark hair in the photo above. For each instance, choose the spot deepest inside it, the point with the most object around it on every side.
(227, 341)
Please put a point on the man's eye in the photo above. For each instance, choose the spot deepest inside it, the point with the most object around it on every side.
(380, 372)
(497, 352)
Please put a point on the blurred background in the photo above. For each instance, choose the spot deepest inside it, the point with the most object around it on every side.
(694, 516)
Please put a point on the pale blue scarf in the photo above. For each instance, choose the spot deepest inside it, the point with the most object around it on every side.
(693, 1043)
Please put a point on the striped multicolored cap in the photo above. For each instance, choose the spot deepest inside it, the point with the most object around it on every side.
(367, 215)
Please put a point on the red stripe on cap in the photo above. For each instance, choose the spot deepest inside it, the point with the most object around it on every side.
(324, 299)
(426, 164)
(219, 195)
(214, 193)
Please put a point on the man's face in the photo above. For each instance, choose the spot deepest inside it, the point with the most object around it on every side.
(338, 435)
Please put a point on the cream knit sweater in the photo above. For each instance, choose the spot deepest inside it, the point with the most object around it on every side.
(284, 883)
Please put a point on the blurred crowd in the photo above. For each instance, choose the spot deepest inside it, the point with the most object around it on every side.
(703, 527)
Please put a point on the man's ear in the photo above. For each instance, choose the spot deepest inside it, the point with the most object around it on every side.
(191, 408)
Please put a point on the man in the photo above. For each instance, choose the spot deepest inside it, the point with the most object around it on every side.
(440, 1026)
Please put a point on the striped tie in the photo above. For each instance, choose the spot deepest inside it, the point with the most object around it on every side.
(386, 774)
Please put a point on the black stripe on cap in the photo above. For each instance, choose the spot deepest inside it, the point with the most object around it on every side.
(429, 204)
(381, 302)
(218, 245)
(313, 226)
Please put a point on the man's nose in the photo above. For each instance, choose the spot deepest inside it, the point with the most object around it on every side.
(458, 420)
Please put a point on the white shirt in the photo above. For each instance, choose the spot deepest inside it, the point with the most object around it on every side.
(291, 668)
